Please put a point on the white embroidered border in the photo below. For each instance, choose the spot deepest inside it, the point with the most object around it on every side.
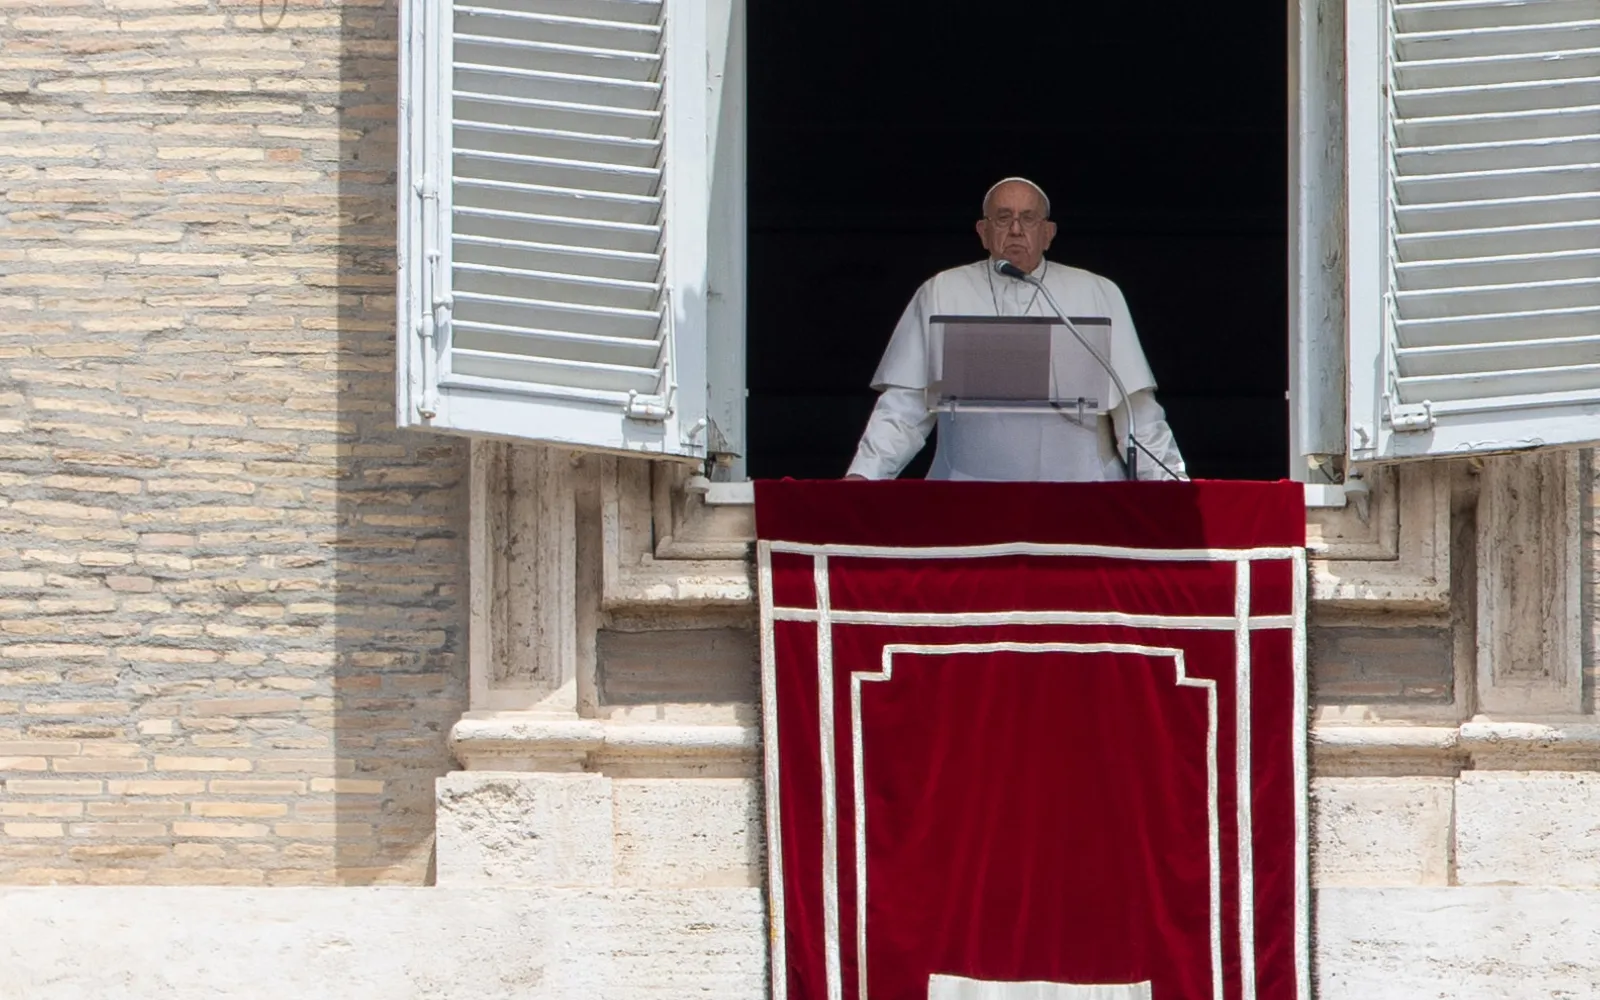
(1181, 679)
(830, 805)
(1033, 549)
(777, 945)
(964, 619)
(1243, 786)
(1302, 789)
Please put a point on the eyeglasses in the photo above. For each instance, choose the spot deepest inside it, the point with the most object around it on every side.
(1004, 220)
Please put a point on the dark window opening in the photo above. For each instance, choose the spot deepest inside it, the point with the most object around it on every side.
(1160, 135)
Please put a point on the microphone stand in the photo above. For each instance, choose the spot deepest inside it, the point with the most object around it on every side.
(1134, 445)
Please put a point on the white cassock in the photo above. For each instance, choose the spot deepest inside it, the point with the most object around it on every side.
(1015, 447)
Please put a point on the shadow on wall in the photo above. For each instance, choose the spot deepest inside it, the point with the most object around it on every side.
(401, 497)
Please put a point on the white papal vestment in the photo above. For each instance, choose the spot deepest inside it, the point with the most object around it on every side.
(1050, 446)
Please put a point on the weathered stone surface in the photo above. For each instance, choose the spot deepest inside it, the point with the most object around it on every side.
(1530, 554)
(381, 944)
(1478, 943)
(1528, 828)
(677, 665)
(219, 558)
(1381, 831)
(1362, 665)
(505, 829)
(689, 832)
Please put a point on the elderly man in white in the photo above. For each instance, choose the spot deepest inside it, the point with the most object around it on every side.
(1051, 446)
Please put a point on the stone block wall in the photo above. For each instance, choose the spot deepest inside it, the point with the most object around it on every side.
(232, 615)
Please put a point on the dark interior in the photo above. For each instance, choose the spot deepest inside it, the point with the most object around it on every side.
(1161, 136)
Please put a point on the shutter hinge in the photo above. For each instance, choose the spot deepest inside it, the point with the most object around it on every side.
(1411, 416)
(652, 407)
(437, 316)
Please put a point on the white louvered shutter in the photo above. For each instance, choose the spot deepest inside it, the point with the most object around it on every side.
(554, 220)
(1474, 256)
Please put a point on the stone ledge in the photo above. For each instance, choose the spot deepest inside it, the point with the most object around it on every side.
(1482, 745)
(514, 742)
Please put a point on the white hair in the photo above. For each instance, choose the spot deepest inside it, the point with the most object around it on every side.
(1018, 180)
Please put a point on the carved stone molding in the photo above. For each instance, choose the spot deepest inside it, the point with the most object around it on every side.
(665, 550)
(1393, 550)
(687, 527)
(523, 635)
(569, 547)
(511, 741)
(1478, 745)
(1530, 557)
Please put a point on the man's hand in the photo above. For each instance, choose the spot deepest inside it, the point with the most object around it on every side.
(856, 475)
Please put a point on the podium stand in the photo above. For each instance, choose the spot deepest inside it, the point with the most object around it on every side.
(1035, 736)
(1017, 364)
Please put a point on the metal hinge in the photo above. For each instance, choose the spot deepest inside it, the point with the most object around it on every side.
(651, 407)
(1411, 416)
(436, 319)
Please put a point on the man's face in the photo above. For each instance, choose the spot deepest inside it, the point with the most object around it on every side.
(1014, 227)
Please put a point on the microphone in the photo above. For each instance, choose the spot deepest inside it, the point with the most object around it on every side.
(1010, 270)
(1134, 446)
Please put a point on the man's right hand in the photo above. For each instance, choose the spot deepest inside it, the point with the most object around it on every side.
(855, 475)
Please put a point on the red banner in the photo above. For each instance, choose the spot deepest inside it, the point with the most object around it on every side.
(1027, 739)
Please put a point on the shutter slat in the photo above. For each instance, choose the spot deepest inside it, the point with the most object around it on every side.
(1481, 300)
(519, 200)
(1496, 213)
(1482, 71)
(573, 60)
(578, 317)
(1484, 243)
(1483, 185)
(561, 344)
(557, 171)
(1511, 39)
(1447, 15)
(1535, 153)
(496, 137)
(600, 262)
(1497, 127)
(554, 371)
(1457, 359)
(573, 88)
(1513, 382)
(1530, 267)
(520, 25)
(502, 279)
(618, 11)
(1538, 95)
(559, 115)
(1532, 323)
(599, 234)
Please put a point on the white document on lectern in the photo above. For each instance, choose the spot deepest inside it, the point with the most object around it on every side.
(962, 988)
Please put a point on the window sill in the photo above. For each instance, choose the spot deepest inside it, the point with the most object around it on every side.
(1318, 495)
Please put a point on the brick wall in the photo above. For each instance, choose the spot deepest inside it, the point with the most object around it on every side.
(231, 593)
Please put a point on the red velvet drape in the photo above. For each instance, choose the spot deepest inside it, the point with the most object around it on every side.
(1041, 746)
